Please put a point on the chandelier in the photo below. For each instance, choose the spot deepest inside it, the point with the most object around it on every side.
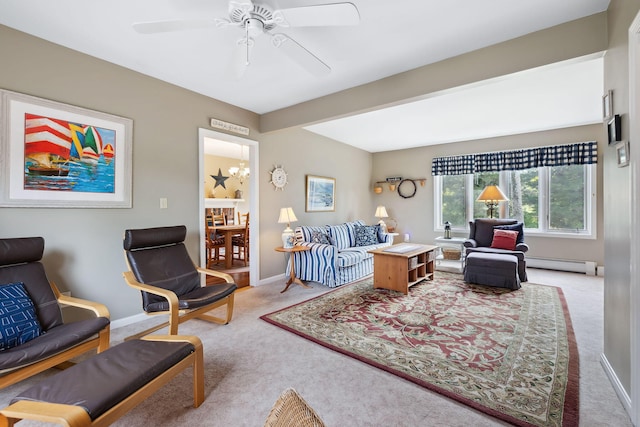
(240, 172)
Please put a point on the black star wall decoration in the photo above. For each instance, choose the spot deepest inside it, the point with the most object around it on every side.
(220, 179)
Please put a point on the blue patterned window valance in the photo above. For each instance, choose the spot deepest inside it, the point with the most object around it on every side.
(581, 153)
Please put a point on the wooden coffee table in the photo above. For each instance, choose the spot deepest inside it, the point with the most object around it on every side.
(400, 266)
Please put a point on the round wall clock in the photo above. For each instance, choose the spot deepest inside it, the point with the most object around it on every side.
(278, 177)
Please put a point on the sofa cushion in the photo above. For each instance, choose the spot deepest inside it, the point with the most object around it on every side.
(365, 235)
(18, 321)
(342, 235)
(352, 256)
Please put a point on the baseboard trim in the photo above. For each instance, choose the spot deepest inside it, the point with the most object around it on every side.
(625, 399)
(282, 278)
(126, 321)
(589, 268)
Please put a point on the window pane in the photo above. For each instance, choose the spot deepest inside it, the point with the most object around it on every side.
(567, 198)
(453, 200)
(481, 180)
(523, 196)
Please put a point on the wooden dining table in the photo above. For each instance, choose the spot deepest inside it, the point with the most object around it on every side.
(229, 231)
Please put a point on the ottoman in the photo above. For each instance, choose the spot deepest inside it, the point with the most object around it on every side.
(499, 270)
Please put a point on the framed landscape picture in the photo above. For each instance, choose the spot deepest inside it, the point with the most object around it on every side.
(320, 194)
(59, 155)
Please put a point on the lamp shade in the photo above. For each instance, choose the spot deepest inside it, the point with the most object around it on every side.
(381, 212)
(287, 216)
(491, 193)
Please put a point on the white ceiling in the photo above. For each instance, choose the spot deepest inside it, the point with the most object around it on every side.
(391, 37)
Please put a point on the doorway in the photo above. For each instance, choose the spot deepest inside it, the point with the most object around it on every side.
(250, 153)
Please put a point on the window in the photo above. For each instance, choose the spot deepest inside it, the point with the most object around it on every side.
(558, 200)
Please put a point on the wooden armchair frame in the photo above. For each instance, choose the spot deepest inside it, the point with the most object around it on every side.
(177, 316)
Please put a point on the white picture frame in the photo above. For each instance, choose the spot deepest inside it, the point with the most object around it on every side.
(622, 153)
(59, 155)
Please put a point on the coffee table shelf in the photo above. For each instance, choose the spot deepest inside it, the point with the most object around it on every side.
(400, 266)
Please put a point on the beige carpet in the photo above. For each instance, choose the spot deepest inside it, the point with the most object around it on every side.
(250, 362)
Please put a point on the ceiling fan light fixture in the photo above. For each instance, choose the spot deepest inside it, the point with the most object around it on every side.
(254, 27)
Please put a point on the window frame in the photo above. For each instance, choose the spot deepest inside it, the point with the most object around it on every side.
(544, 172)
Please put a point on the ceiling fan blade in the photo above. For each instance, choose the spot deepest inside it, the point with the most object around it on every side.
(172, 25)
(299, 54)
(318, 16)
(239, 9)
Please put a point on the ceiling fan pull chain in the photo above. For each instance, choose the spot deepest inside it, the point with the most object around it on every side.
(246, 29)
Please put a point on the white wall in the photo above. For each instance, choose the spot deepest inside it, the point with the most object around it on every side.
(617, 215)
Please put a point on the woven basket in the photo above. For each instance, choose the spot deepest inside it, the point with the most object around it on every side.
(451, 253)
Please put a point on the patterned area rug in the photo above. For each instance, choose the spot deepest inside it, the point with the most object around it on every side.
(510, 354)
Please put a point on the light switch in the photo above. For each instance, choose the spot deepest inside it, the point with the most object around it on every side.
(163, 203)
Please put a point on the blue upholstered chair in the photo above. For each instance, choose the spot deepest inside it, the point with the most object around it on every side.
(481, 237)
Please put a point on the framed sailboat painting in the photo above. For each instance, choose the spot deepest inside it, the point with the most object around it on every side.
(59, 155)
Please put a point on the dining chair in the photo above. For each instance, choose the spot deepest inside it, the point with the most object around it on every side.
(241, 242)
(243, 218)
(214, 242)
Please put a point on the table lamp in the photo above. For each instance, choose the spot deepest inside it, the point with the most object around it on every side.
(381, 212)
(491, 196)
(286, 217)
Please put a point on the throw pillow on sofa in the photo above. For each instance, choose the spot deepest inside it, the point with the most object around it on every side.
(366, 235)
(320, 237)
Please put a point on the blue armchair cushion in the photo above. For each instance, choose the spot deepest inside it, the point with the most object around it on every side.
(18, 321)
(366, 235)
(519, 227)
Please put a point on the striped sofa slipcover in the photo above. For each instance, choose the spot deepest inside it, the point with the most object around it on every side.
(338, 254)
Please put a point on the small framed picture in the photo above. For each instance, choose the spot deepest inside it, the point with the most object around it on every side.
(614, 129)
(321, 194)
(607, 105)
(622, 153)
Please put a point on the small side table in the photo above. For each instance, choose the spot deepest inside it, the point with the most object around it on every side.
(456, 266)
(292, 276)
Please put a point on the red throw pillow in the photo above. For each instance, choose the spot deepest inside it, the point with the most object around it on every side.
(504, 239)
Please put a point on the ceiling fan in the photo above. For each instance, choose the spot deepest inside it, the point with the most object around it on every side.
(257, 19)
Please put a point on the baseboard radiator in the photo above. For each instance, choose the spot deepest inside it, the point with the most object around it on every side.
(586, 267)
